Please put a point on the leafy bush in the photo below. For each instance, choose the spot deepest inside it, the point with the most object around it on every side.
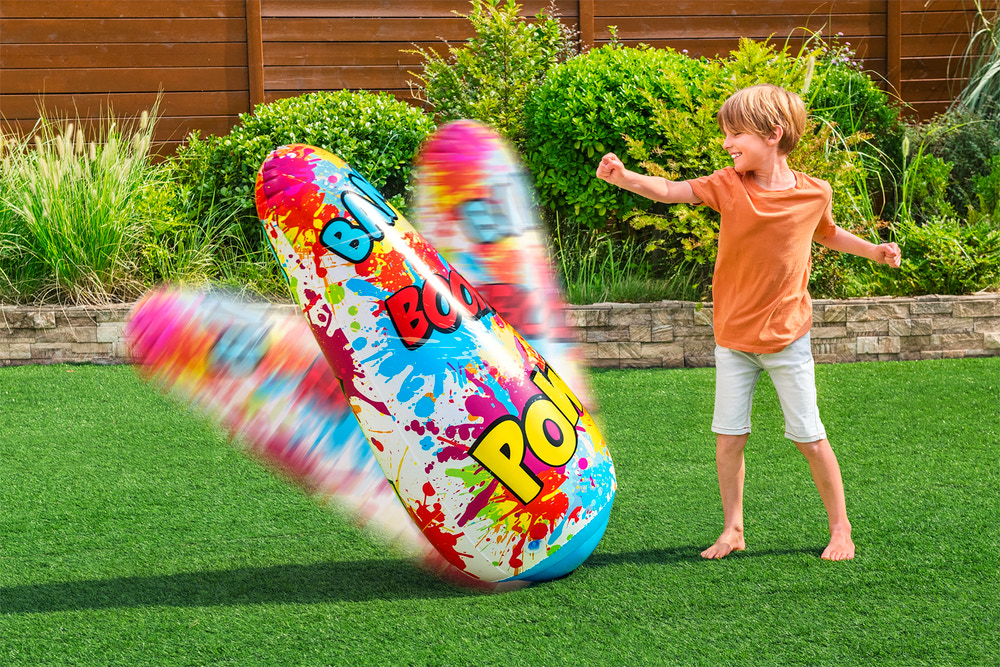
(585, 108)
(376, 133)
(967, 141)
(945, 256)
(491, 76)
(987, 190)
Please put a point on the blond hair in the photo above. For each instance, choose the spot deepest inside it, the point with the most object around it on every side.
(758, 109)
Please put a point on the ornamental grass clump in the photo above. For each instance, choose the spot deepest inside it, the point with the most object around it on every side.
(71, 213)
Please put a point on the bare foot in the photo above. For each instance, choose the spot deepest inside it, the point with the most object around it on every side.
(841, 547)
(730, 540)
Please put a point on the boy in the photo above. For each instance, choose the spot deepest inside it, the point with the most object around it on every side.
(762, 312)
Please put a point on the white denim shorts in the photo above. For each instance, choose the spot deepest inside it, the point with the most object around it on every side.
(793, 374)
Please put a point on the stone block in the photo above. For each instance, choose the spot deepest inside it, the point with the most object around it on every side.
(888, 345)
(991, 340)
(877, 312)
(65, 334)
(917, 343)
(616, 335)
(112, 314)
(699, 346)
(664, 351)
(86, 350)
(597, 317)
(13, 317)
(977, 307)
(52, 352)
(685, 314)
(950, 325)
(930, 354)
(699, 361)
(911, 327)
(867, 345)
(868, 327)
(819, 333)
(596, 335)
(640, 333)
(981, 325)
(576, 318)
(961, 341)
(630, 351)
(10, 351)
(75, 317)
(608, 351)
(624, 317)
(834, 313)
(703, 317)
(662, 333)
(931, 308)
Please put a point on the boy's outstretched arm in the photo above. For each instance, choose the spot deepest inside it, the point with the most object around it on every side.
(613, 171)
(843, 241)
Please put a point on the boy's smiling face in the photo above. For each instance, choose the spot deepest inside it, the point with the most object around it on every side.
(751, 152)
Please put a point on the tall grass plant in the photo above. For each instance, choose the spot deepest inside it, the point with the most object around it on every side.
(71, 211)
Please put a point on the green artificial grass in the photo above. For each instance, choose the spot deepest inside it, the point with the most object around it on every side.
(131, 533)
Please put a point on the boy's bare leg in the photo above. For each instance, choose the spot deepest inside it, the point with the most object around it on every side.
(826, 475)
(731, 468)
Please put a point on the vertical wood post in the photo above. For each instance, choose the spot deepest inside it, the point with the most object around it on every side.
(255, 52)
(894, 46)
(586, 13)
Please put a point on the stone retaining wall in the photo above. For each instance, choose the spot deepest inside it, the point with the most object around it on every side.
(667, 334)
(673, 334)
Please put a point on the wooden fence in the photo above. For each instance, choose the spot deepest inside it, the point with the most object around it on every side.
(213, 59)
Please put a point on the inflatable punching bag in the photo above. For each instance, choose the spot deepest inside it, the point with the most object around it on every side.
(494, 457)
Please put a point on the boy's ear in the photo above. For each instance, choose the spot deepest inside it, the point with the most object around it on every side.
(776, 133)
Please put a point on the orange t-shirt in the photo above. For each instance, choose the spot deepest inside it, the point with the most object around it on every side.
(760, 290)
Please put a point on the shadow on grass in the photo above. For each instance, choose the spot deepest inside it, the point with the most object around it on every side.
(353, 581)
(688, 554)
(283, 584)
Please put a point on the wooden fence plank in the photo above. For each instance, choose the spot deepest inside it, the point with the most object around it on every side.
(255, 53)
(755, 27)
(585, 10)
(173, 30)
(725, 8)
(115, 9)
(934, 45)
(395, 8)
(123, 79)
(938, 23)
(348, 53)
(334, 78)
(364, 29)
(95, 105)
(894, 45)
(93, 56)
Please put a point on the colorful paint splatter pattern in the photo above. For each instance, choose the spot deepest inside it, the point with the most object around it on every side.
(493, 456)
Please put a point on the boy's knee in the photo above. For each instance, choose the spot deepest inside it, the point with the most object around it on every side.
(728, 443)
(813, 448)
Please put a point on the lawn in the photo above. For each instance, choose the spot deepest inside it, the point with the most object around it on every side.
(132, 534)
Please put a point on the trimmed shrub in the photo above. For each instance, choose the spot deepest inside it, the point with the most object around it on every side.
(376, 134)
(584, 109)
